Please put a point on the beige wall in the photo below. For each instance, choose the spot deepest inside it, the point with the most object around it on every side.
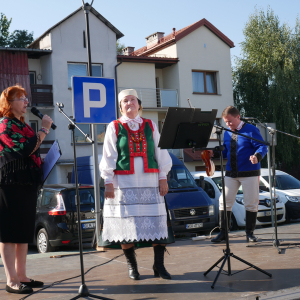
(136, 75)
(171, 77)
(167, 52)
(203, 50)
(159, 75)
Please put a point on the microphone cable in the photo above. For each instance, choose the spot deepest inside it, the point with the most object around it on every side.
(60, 281)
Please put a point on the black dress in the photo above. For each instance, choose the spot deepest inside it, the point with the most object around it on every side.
(20, 181)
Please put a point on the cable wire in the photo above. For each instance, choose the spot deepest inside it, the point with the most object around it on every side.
(60, 281)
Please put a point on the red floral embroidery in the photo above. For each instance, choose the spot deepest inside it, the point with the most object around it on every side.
(7, 140)
(37, 160)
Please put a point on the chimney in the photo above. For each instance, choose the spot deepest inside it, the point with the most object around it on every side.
(128, 50)
(153, 39)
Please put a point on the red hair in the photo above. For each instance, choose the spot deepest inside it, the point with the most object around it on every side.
(9, 94)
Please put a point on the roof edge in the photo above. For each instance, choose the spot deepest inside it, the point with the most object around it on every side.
(208, 25)
(119, 34)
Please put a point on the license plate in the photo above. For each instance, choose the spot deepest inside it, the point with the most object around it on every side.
(196, 225)
(88, 225)
(268, 213)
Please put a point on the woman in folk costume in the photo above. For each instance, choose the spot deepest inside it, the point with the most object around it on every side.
(135, 172)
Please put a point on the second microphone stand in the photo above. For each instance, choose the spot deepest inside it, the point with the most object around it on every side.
(272, 185)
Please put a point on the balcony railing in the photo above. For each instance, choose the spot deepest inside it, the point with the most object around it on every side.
(41, 95)
(152, 98)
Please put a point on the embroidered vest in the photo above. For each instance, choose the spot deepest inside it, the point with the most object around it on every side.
(128, 149)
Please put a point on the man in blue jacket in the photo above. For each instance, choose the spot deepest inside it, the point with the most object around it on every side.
(242, 168)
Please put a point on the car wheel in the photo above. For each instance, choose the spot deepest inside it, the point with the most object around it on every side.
(233, 224)
(42, 242)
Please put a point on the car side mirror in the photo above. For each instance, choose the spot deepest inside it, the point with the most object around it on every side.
(264, 188)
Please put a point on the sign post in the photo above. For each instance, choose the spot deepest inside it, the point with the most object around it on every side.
(94, 103)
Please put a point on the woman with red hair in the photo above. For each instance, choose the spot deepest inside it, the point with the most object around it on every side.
(20, 178)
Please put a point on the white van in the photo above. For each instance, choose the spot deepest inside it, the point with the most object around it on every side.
(213, 187)
(288, 190)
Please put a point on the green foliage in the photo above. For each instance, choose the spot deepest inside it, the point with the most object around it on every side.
(20, 39)
(266, 79)
(120, 47)
(4, 30)
(17, 39)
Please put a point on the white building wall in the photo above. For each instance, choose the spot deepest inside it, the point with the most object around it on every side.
(203, 50)
(67, 46)
(35, 65)
(45, 42)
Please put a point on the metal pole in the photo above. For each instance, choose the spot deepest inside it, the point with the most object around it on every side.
(86, 9)
(270, 180)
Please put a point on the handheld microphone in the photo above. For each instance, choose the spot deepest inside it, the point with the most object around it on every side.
(37, 113)
(247, 119)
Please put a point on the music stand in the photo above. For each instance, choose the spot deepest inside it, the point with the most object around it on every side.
(187, 128)
(176, 135)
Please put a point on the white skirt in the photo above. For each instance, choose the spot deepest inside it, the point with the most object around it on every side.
(138, 212)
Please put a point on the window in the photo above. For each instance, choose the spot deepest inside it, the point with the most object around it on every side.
(34, 125)
(49, 199)
(80, 69)
(204, 82)
(86, 128)
(32, 77)
(178, 178)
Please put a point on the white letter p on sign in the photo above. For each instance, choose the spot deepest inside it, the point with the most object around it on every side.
(87, 103)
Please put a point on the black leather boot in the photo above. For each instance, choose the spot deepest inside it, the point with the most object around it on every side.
(250, 226)
(158, 267)
(133, 272)
(221, 236)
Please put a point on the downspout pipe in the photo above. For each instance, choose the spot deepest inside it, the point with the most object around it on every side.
(116, 87)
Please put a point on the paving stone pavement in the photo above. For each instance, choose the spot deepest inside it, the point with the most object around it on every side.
(187, 263)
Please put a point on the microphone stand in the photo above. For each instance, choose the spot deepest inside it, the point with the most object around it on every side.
(272, 185)
(83, 289)
(227, 252)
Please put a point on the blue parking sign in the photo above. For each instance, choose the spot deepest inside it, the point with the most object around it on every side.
(93, 100)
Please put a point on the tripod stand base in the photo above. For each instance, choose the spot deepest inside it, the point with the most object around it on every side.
(226, 257)
(84, 292)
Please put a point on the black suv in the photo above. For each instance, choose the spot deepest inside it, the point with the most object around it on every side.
(56, 222)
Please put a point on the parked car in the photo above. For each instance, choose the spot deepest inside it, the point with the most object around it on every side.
(213, 187)
(189, 207)
(288, 190)
(56, 222)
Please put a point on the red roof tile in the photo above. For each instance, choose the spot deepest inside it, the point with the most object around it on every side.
(179, 34)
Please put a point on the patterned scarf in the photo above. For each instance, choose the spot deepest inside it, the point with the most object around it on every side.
(14, 135)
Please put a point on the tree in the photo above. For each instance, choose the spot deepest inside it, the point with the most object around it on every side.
(17, 39)
(20, 39)
(266, 79)
(120, 47)
(4, 30)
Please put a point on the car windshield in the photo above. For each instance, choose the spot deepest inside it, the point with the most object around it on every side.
(179, 178)
(218, 182)
(285, 182)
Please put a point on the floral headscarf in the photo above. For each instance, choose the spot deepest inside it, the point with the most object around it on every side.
(14, 136)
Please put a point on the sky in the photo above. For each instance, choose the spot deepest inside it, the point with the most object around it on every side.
(138, 19)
